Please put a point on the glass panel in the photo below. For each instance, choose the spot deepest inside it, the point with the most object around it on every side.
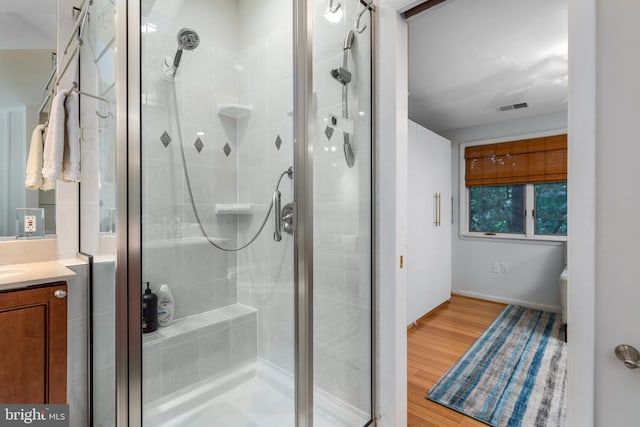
(497, 209)
(98, 199)
(551, 209)
(342, 215)
(98, 132)
(217, 140)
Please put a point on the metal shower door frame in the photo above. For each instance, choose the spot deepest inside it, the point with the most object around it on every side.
(129, 213)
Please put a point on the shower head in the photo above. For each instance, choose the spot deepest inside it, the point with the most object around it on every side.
(348, 41)
(188, 39)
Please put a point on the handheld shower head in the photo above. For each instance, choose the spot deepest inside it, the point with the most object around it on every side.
(348, 41)
(188, 39)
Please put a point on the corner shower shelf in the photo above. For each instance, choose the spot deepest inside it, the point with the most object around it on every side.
(234, 208)
(235, 111)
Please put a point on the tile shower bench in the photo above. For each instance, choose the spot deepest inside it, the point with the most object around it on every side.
(198, 347)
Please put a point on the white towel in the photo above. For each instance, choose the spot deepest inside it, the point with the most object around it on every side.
(61, 157)
(34, 179)
(71, 156)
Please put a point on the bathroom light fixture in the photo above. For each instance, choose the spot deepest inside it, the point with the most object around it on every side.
(333, 13)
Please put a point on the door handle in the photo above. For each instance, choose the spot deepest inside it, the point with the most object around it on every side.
(628, 355)
(60, 293)
(277, 215)
(437, 197)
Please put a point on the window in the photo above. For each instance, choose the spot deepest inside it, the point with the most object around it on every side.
(516, 189)
(551, 209)
(496, 209)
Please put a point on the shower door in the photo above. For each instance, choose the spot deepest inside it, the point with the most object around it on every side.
(217, 148)
(250, 215)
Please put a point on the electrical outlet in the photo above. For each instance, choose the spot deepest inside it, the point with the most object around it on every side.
(495, 268)
(29, 223)
(504, 268)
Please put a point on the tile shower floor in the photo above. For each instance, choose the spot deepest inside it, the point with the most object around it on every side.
(257, 395)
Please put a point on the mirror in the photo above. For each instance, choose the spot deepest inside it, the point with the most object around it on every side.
(27, 51)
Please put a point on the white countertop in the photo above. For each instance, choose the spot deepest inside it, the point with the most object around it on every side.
(15, 276)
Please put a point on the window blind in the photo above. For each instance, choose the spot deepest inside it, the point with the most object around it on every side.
(525, 161)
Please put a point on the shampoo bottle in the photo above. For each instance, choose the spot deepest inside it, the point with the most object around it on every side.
(149, 310)
(166, 306)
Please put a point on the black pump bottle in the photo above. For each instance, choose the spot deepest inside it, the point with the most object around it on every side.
(149, 310)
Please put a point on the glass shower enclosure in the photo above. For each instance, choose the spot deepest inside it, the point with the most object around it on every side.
(249, 212)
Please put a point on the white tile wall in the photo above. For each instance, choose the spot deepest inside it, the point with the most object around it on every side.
(77, 345)
(104, 343)
(265, 269)
(198, 274)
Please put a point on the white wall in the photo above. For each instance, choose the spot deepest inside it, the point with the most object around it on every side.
(581, 209)
(532, 268)
(391, 145)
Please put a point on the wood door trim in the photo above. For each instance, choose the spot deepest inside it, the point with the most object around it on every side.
(421, 8)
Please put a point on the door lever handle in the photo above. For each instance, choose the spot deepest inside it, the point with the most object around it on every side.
(277, 215)
(628, 355)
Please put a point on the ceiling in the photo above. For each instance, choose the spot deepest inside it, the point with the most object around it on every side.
(28, 24)
(468, 57)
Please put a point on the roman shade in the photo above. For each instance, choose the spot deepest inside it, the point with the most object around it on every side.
(517, 162)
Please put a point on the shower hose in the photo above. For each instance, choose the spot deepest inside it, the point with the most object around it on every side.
(189, 190)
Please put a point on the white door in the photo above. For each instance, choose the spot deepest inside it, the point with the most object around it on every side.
(428, 243)
(617, 295)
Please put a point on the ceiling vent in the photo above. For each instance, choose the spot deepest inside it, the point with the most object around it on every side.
(512, 106)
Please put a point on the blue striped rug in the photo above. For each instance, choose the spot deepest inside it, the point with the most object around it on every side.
(513, 375)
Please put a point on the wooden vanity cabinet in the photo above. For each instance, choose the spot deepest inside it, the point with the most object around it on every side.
(33, 344)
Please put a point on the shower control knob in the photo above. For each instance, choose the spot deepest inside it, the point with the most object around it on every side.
(287, 218)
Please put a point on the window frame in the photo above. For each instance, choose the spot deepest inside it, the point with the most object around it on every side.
(529, 220)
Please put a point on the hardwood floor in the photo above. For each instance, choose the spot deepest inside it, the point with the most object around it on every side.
(434, 345)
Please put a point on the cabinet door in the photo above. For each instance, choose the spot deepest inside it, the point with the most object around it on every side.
(33, 345)
(429, 245)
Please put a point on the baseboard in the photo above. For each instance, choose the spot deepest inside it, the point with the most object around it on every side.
(533, 305)
(424, 316)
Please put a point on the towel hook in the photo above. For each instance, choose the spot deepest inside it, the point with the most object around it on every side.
(103, 116)
(74, 87)
(359, 16)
